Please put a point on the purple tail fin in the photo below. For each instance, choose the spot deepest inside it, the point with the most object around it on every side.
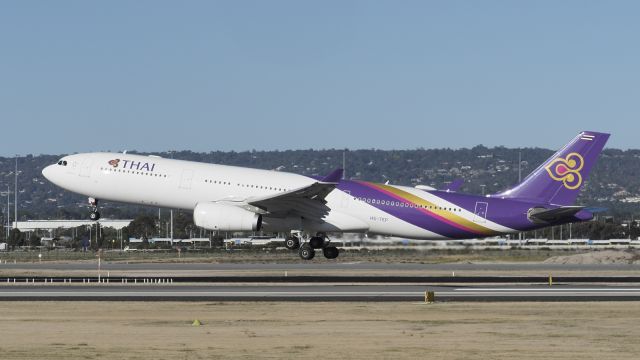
(559, 179)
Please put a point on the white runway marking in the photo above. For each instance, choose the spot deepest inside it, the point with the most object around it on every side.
(206, 293)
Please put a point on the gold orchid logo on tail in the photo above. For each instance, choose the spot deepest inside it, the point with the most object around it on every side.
(567, 170)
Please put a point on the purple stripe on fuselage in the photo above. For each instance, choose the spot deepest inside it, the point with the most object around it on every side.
(411, 215)
(508, 213)
(388, 190)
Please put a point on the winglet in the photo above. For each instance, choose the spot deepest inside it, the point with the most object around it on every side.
(454, 185)
(334, 177)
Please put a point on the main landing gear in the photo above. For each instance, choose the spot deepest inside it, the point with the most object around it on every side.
(94, 214)
(307, 251)
(292, 242)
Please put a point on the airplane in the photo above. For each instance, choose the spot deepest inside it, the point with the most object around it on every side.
(229, 198)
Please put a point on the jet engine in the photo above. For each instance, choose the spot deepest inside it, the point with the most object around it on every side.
(221, 217)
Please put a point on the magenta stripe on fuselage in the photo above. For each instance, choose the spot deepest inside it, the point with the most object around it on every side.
(422, 210)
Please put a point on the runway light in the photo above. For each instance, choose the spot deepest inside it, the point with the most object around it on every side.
(429, 297)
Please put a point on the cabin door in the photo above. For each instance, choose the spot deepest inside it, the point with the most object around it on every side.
(481, 212)
(186, 179)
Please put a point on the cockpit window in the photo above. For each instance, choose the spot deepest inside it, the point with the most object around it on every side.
(62, 162)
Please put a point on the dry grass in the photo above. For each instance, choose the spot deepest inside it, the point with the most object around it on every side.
(256, 255)
(318, 272)
(137, 330)
(285, 258)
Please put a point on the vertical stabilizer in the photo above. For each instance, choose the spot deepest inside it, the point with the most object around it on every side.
(559, 179)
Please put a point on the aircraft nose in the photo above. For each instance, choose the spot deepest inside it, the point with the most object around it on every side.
(46, 172)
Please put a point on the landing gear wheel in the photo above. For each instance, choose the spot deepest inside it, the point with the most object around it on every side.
(94, 215)
(306, 252)
(331, 252)
(316, 242)
(292, 243)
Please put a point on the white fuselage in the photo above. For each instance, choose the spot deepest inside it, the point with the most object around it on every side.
(168, 183)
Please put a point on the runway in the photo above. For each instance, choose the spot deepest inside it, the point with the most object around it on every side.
(310, 292)
(169, 267)
(355, 281)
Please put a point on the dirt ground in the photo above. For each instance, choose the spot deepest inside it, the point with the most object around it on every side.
(285, 256)
(139, 330)
(514, 257)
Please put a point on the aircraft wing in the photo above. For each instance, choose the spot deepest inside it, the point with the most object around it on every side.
(308, 201)
(542, 215)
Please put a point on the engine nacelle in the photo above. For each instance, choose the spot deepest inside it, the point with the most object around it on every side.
(220, 217)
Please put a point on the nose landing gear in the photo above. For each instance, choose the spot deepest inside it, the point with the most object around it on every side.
(94, 214)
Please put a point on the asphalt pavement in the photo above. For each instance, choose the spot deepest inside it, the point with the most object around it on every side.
(312, 292)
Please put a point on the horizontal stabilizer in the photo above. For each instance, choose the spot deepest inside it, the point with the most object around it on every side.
(543, 215)
(424, 188)
(593, 209)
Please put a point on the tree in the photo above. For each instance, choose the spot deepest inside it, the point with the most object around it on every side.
(15, 238)
(142, 227)
(182, 225)
(34, 240)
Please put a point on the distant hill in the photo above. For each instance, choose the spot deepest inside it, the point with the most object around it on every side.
(614, 182)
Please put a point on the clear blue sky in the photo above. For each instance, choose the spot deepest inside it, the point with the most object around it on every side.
(80, 76)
